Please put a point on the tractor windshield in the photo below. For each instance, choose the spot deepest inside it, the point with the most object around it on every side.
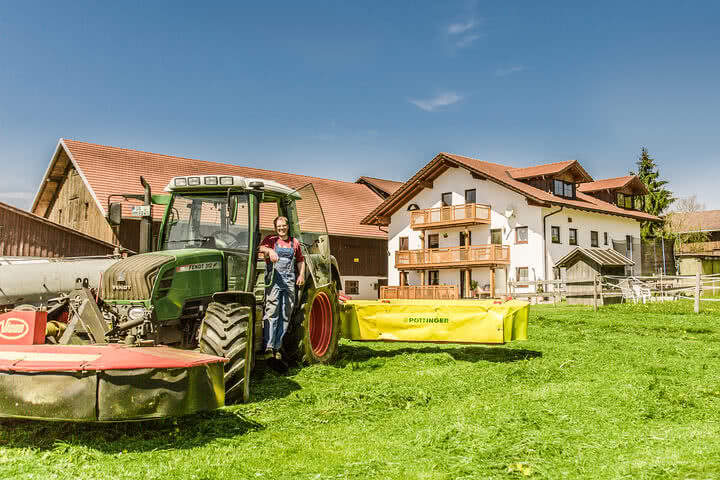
(208, 221)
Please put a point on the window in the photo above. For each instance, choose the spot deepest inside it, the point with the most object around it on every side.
(446, 199)
(594, 239)
(606, 238)
(403, 278)
(87, 207)
(572, 236)
(465, 240)
(470, 196)
(563, 189)
(434, 277)
(628, 246)
(433, 241)
(404, 243)
(521, 273)
(639, 202)
(521, 234)
(352, 287)
(496, 236)
(555, 234)
(556, 273)
(630, 202)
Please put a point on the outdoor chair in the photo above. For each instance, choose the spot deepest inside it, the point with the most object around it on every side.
(628, 293)
(642, 292)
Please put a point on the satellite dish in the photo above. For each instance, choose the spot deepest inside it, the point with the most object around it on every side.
(509, 212)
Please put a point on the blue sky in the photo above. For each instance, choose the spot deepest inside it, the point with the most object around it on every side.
(343, 89)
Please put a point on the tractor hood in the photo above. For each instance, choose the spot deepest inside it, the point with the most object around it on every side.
(134, 278)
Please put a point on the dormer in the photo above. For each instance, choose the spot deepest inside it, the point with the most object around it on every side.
(560, 179)
(625, 192)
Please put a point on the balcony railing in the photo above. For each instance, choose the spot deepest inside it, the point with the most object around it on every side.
(467, 256)
(454, 215)
(705, 248)
(414, 292)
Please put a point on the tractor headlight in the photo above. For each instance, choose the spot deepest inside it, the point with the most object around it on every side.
(136, 313)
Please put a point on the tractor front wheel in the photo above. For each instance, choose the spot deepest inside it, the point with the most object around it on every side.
(224, 333)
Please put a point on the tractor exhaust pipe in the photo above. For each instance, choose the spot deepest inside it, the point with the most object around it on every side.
(146, 221)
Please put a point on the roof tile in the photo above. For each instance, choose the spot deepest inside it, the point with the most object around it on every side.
(110, 170)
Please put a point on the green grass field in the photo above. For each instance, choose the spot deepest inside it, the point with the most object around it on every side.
(625, 392)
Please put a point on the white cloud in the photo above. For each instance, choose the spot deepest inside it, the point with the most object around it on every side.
(458, 28)
(509, 70)
(467, 40)
(439, 101)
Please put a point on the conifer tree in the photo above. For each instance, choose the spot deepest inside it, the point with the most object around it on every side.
(658, 199)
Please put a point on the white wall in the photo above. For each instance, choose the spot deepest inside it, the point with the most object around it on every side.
(457, 180)
(500, 199)
(368, 287)
(617, 228)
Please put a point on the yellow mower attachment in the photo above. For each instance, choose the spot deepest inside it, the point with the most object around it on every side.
(436, 321)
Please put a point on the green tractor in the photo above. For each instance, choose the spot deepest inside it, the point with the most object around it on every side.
(202, 287)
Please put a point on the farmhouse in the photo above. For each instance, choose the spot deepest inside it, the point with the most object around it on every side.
(460, 221)
(81, 177)
(697, 247)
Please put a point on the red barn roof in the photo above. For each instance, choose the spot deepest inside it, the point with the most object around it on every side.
(111, 170)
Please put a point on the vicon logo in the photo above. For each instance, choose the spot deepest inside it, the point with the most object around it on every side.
(13, 328)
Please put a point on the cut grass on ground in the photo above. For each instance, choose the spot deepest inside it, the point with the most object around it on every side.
(630, 391)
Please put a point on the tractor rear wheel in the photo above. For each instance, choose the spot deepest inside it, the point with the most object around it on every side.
(315, 328)
(224, 333)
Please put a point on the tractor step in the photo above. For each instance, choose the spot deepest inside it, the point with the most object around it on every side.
(107, 383)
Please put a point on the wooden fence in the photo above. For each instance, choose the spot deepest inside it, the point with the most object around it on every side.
(605, 289)
(417, 292)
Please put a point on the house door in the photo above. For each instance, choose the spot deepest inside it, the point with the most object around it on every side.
(382, 282)
(462, 282)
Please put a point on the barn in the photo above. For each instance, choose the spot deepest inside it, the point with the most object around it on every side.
(81, 177)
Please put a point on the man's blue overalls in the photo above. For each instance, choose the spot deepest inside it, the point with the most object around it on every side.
(279, 296)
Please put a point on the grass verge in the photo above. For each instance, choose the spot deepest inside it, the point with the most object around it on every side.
(630, 391)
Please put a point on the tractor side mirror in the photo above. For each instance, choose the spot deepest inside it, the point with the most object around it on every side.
(115, 214)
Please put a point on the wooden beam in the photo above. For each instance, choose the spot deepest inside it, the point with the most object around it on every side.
(425, 183)
(466, 293)
(492, 282)
(533, 203)
(383, 220)
(477, 176)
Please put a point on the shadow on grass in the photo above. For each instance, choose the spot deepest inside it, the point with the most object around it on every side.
(165, 434)
(355, 352)
(268, 383)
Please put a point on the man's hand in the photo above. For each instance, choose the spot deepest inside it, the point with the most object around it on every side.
(300, 281)
(272, 255)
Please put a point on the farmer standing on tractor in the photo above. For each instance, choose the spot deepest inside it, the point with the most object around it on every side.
(283, 258)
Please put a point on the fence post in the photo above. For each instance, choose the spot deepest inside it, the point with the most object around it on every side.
(662, 289)
(697, 292)
(595, 293)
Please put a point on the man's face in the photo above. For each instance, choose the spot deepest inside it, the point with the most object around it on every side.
(281, 227)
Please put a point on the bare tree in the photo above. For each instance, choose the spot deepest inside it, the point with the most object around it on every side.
(688, 204)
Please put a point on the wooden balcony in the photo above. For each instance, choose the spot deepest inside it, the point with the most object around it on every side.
(426, 292)
(452, 257)
(698, 248)
(452, 216)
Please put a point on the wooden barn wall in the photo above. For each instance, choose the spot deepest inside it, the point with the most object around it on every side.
(74, 207)
(24, 235)
(130, 233)
(371, 255)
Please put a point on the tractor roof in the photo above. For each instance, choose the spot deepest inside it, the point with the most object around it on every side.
(190, 183)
